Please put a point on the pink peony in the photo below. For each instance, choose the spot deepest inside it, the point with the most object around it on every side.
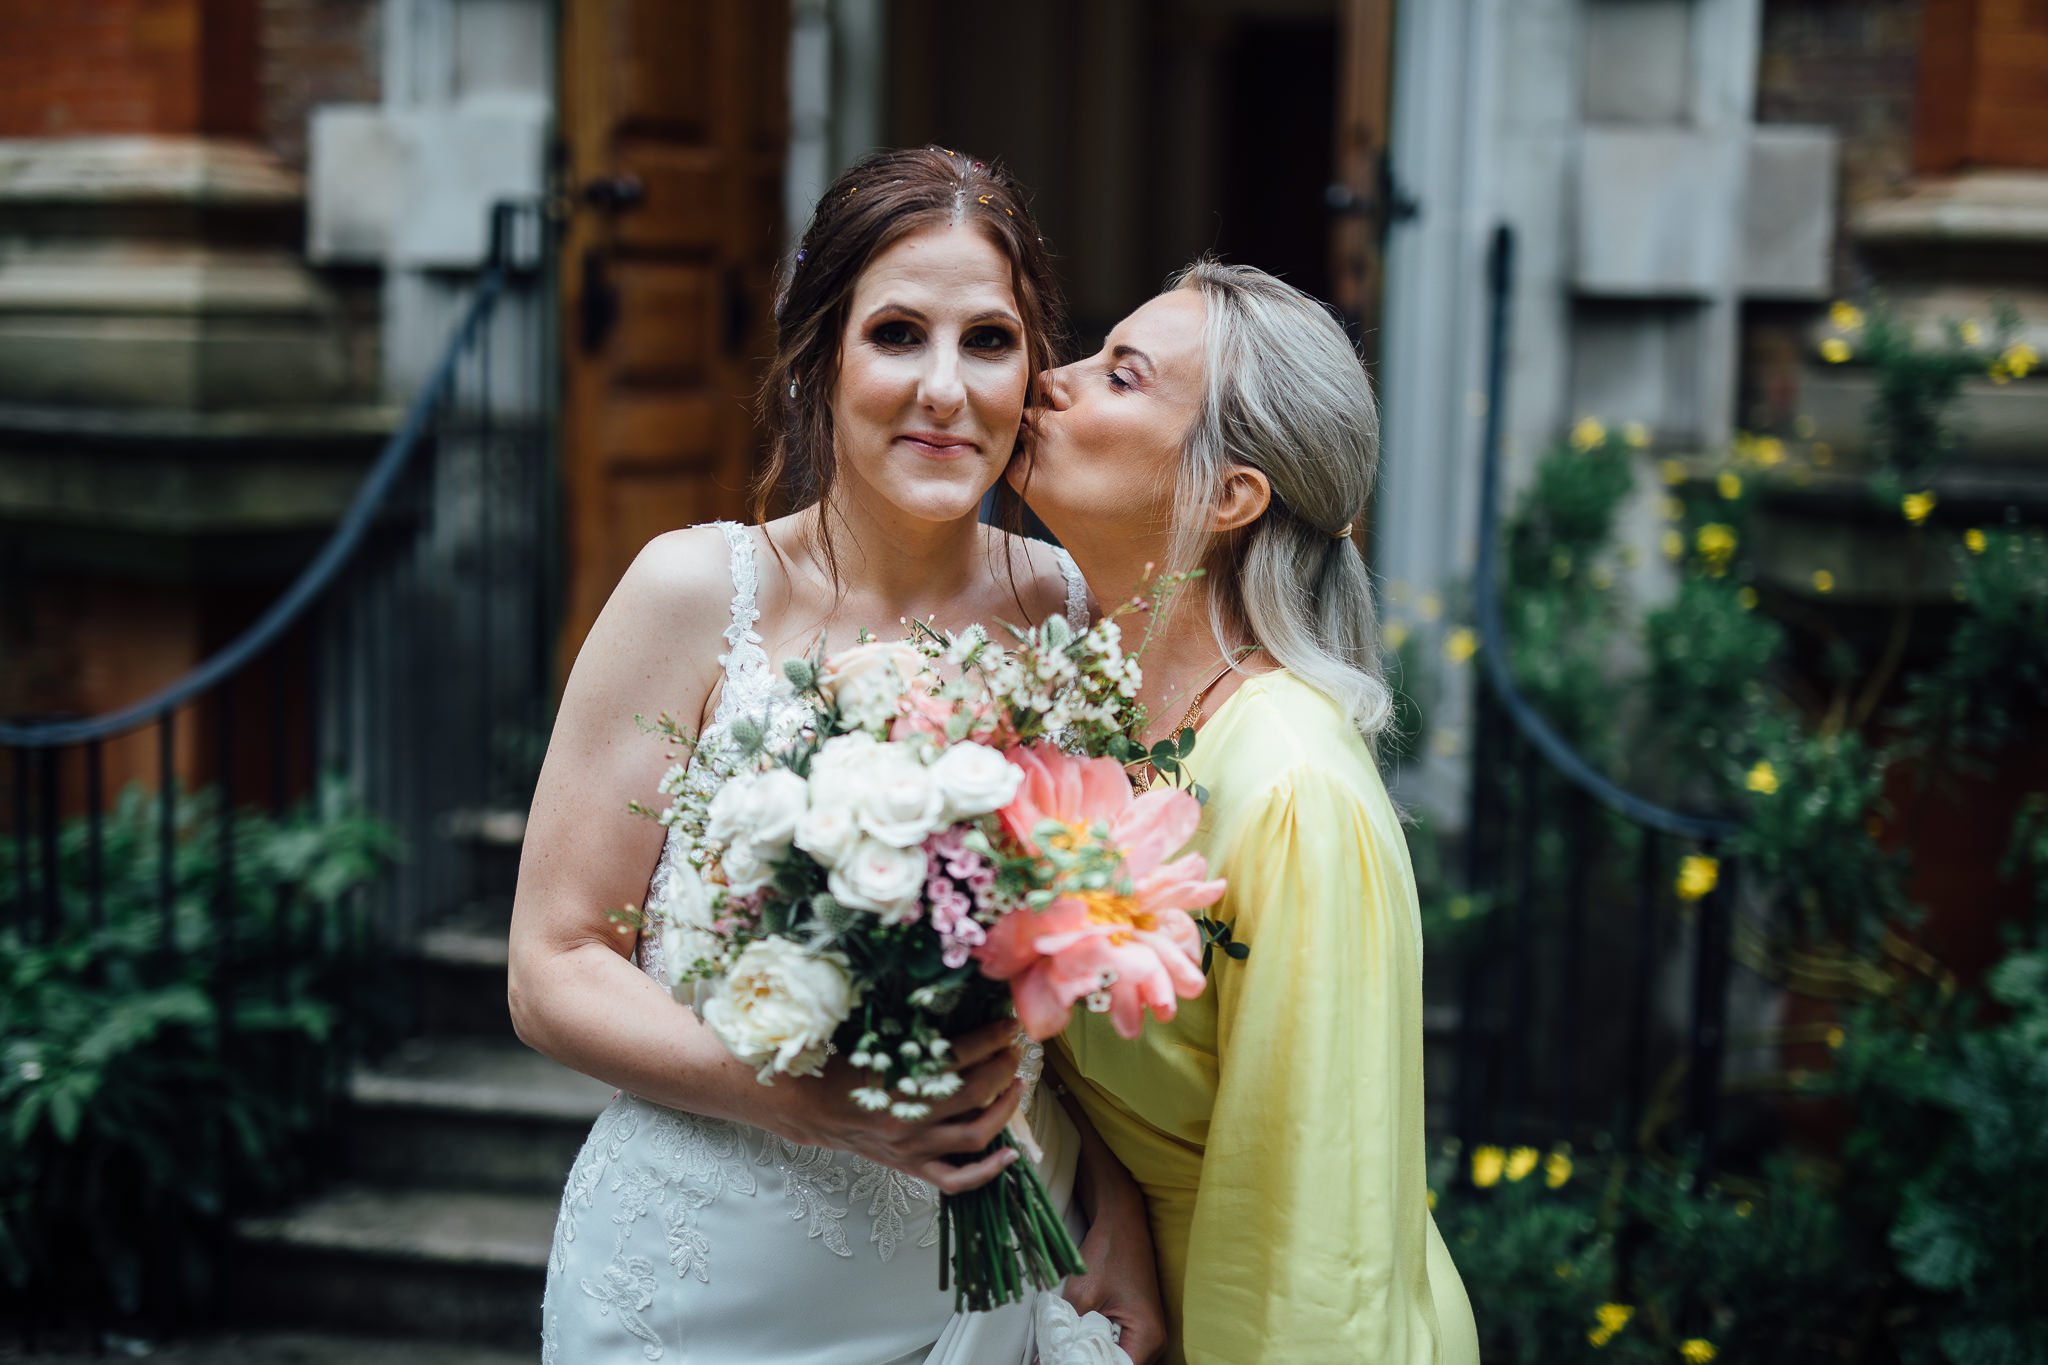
(1124, 949)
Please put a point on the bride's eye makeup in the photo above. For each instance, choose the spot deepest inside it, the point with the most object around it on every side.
(1120, 381)
(893, 334)
(991, 339)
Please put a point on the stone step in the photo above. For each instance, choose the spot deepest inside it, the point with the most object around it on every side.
(491, 838)
(448, 1265)
(469, 1113)
(280, 1348)
(459, 972)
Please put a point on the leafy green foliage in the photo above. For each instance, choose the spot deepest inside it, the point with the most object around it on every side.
(149, 1082)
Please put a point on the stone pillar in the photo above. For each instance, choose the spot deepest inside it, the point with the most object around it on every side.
(179, 393)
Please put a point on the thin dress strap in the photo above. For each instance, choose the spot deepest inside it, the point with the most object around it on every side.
(1077, 589)
(744, 655)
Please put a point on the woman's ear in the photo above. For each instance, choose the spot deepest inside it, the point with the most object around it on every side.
(1246, 496)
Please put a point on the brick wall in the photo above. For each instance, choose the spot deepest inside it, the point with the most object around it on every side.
(232, 68)
(314, 52)
(99, 66)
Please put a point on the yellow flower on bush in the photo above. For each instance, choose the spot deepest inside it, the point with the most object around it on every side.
(1975, 541)
(1823, 581)
(1673, 544)
(1971, 333)
(1835, 1036)
(1636, 434)
(1460, 645)
(1395, 635)
(1589, 432)
(1609, 1319)
(1430, 607)
(1770, 451)
(1697, 875)
(2019, 359)
(1746, 598)
(1743, 1208)
(1487, 1164)
(1716, 543)
(1834, 350)
(1565, 1270)
(1557, 1168)
(1673, 508)
(1431, 1200)
(1697, 1350)
(1846, 317)
(1729, 484)
(1673, 471)
(1763, 778)
(1521, 1161)
(1916, 506)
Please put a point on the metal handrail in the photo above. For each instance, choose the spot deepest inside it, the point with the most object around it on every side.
(1493, 653)
(318, 576)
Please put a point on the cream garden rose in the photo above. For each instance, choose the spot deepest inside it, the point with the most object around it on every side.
(763, 808)
(778, 1006)
(896, 800)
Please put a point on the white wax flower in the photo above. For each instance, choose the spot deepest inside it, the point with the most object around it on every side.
(777, 1009)
(974, 779)
(880, 877)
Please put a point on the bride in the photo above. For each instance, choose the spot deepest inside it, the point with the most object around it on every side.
(710, 1218)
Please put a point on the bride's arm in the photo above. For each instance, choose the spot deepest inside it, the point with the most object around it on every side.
(574, 991)
(1122, 1281)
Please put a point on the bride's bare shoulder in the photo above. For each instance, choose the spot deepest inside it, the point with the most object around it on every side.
(1040, 581)
(661, 622)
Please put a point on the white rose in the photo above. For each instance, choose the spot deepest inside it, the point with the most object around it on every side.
(897, 801)
(830, 830)
(745, 870)
(881, 878)
(726, 816)
(776, 801)
(779, 1006)
(974, 779)
(842, 756)
(890, 665)
(687, 916)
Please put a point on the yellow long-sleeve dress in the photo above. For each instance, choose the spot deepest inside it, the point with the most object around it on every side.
(1276, 1124)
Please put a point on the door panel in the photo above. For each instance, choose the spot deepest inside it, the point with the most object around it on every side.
(1359, 197)
(674, 123)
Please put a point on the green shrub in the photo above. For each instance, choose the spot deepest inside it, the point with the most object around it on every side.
(148, 1086)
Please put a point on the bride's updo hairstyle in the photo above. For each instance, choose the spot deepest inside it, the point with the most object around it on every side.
(1287, 396)
(882, 199)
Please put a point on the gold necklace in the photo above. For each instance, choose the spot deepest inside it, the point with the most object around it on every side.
(1190, 719)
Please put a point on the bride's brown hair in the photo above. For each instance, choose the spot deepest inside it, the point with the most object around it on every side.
(882, 199)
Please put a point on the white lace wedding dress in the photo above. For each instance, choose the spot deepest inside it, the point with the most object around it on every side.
(697, 1241)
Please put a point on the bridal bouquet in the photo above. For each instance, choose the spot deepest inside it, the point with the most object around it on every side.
(922, 858)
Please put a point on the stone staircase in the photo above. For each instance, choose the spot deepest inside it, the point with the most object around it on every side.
(456, 1148)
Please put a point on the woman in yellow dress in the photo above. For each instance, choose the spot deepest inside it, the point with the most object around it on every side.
(1276, 1124)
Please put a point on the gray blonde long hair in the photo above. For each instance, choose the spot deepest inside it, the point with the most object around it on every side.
(1286, 396)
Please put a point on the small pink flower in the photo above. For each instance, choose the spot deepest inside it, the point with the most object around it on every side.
(1124, 949)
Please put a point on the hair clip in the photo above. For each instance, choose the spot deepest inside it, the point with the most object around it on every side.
(1343, 533)
(982, 200)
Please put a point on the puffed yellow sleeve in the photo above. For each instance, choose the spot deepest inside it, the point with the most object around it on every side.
(1310, 1231)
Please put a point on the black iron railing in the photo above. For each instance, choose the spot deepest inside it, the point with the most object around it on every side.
(410, 664)
(1559, 1035)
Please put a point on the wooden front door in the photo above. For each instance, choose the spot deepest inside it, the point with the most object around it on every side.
(1364, 199)
(674, 119)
